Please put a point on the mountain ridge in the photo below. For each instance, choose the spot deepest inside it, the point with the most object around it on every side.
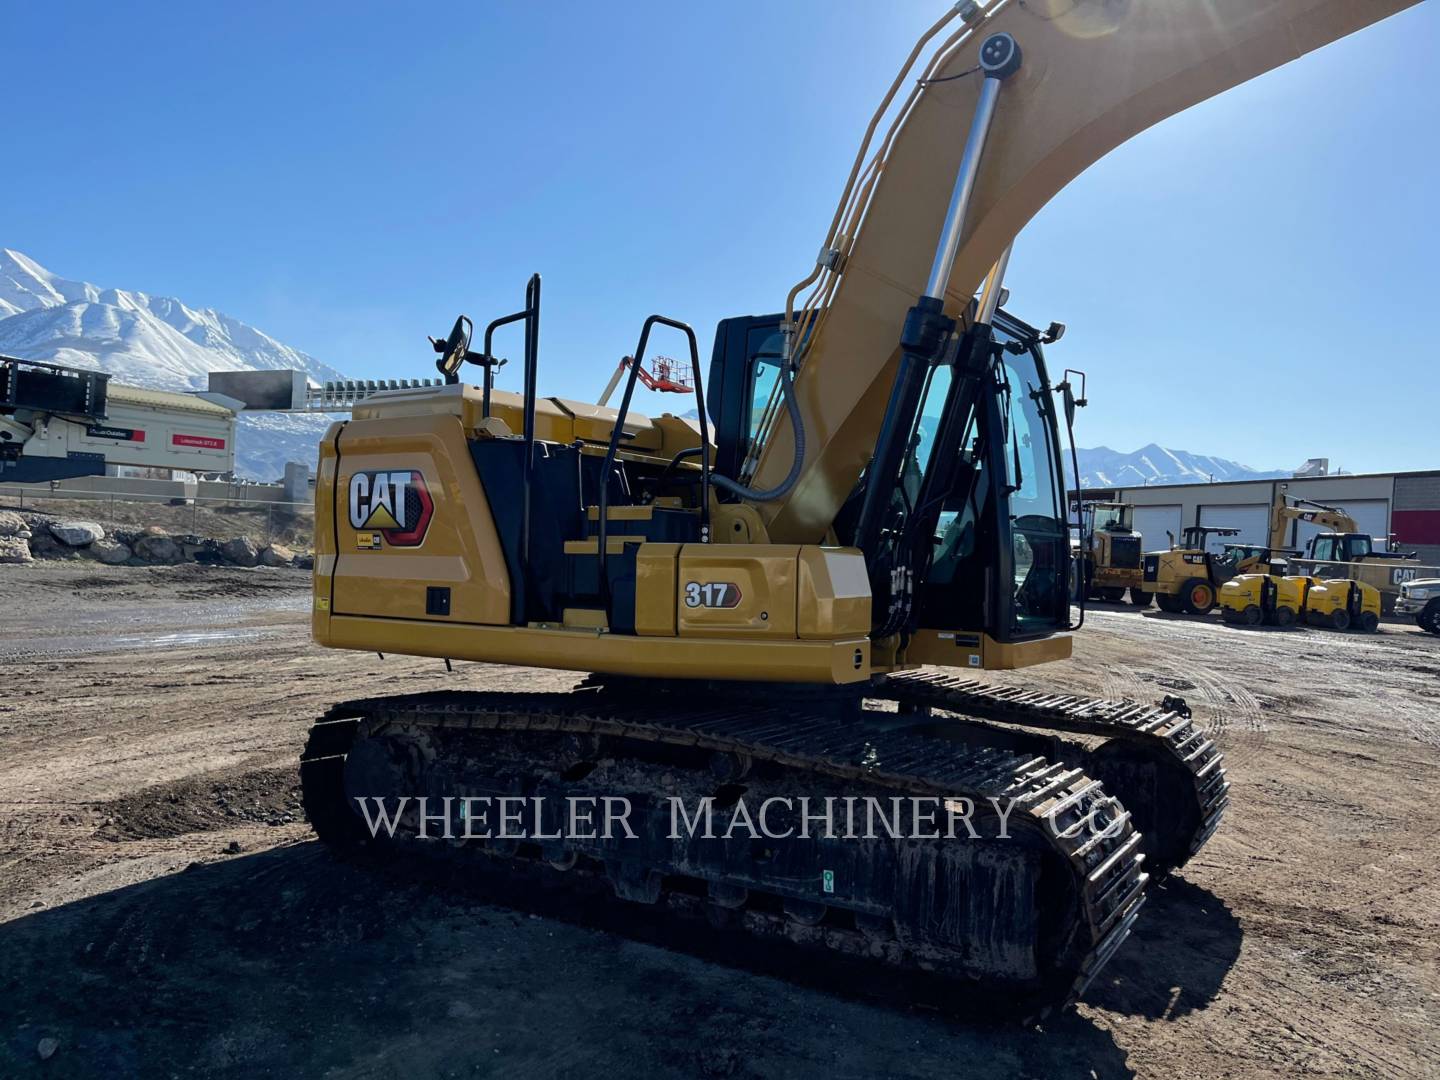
(161, 343)
(1102, 467)
(158, 343)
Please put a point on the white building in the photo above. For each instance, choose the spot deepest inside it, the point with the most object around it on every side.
(1401, 510)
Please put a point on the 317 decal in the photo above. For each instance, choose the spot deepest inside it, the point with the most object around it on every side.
(720, 594)
(395, 504)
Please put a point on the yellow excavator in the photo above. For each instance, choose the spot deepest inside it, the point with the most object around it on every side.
(1343, 551)
(873, 485)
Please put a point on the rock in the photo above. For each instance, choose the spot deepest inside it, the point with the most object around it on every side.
(277, 555)
(304, 562)
(157, 549)
(241, 551)
(13, 549)
(46, 1048)
(200, 549)
(76, 533)
(12, 524)
(110, 552)
(233, 848)
(43, 545)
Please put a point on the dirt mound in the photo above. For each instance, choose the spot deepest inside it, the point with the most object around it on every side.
(205, 803)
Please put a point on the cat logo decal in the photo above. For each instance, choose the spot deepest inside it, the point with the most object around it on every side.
(395, 504)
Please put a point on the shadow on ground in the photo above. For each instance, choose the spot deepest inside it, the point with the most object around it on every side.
(1182, 947)
(289, 963)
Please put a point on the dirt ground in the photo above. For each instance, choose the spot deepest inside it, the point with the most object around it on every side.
(163, 910)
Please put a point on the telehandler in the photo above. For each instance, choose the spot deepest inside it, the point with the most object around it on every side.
(752, 600)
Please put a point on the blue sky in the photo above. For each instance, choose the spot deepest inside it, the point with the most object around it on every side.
(349, 177)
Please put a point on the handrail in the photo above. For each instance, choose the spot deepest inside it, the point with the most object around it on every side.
(532, 362)
(617, 432)
(487, 358)
(530, 315)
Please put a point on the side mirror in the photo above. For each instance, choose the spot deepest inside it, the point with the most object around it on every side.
(454, 349)
(1067, 391)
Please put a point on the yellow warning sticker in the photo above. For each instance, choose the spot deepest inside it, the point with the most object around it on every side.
(367, 541)
(322, 603)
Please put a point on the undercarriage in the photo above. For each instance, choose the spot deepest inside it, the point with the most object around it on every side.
(932, 838)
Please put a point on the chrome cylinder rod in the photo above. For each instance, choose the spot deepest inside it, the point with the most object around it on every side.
(999, 58)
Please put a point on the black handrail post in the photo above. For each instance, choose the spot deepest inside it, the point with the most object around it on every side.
(704, 436)
(488, 357)
(532, 353)
(602, 509)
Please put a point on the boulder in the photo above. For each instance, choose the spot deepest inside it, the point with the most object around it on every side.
(199, 549)
(12, 524)
(110, 552)
(277, 555)
(241, 551)
(158, 549)
(76, 533)
(14, 549)
(304, 562)
(43, 545)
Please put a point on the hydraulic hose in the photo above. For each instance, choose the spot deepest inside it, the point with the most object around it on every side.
(792, 407)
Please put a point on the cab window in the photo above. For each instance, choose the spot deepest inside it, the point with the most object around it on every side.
(765, 347)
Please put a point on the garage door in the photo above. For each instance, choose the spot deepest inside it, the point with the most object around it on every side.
(1152, 522)
(1372, 515)
(1252, 520)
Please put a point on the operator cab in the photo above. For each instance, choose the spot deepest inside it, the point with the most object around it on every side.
(1111, 517)
(1242, 558)
(1196, 537)
(1000, 551)
(1342, 547)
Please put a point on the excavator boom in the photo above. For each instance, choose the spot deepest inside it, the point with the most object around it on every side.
(1282, 513)
(1094, 74)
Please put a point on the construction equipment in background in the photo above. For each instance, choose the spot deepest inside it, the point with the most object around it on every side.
(1342, 603)
(884, 491)
(1109, 554)
(1285, 599)
(1186, 579)
(1272, 599)
(1344, 551)
(60, 422)
(665, 376)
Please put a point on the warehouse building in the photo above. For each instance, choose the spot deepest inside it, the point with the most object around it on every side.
(1400, 510)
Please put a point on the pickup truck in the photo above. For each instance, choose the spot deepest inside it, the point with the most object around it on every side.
(1421, 598)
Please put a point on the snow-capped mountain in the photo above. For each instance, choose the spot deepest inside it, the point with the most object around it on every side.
(1154, 464)
(159, 342)
(1102, 467)
(156, 342)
